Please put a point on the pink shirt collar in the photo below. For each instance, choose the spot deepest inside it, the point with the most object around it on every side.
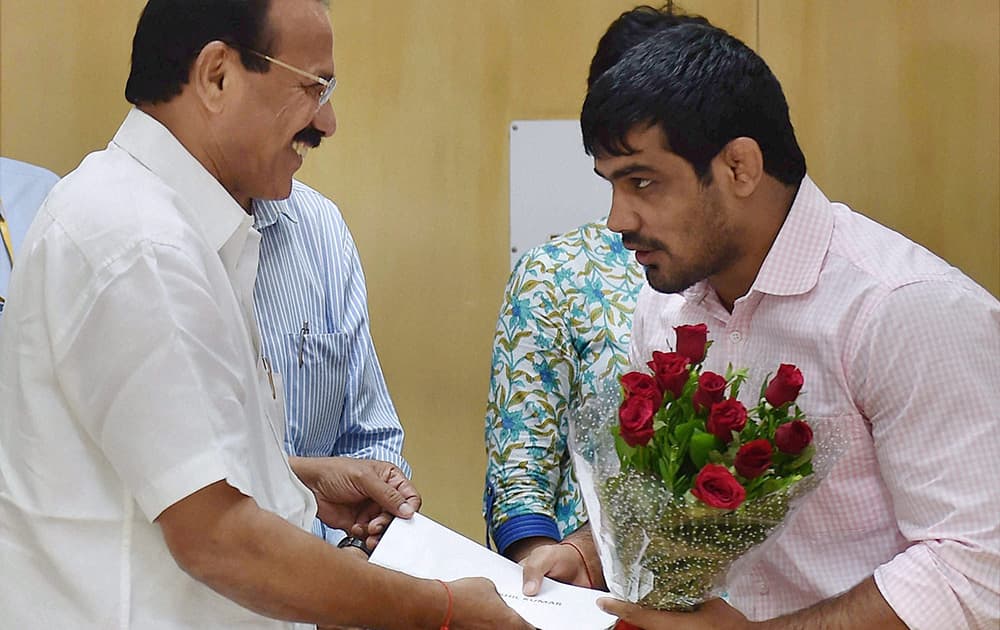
(793, 264)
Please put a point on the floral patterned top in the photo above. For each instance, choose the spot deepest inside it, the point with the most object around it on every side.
(562, 330)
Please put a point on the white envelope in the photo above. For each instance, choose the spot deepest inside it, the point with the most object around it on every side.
(424, 548)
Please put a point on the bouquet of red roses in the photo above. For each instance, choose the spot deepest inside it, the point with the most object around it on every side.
(680, 478)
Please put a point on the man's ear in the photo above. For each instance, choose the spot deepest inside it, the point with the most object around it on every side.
(213, 74)
(744, 164)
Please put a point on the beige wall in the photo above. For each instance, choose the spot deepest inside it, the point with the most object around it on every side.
(63, 66)
(896, 106)
(897, 110)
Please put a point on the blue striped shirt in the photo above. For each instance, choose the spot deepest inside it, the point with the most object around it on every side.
(312, 308)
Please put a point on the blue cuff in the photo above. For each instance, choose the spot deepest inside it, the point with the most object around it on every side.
(524, 526)
(329, 534)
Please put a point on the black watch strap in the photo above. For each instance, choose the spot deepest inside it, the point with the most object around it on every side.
(357, 543)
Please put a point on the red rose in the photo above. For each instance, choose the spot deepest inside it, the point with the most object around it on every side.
(671, 371)
(711, 389)
(785, 385)
(624, 625)
(793, 437)
(753, 458)
(639, 384)
(692, 341)
(635, 418)
(725, 417)
(717, 487)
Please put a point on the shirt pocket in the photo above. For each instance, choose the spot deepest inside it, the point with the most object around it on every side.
(316, 384)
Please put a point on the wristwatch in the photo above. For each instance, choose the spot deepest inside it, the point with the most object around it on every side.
(357, 543)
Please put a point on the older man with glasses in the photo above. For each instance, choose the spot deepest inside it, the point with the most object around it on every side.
(143, 478)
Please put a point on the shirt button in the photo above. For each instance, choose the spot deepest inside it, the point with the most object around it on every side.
(763, 588)
(736, 336)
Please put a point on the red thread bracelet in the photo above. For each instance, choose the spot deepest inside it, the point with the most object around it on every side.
(447, 615)
(582, 559)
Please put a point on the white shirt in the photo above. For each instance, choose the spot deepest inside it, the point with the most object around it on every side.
(130, 379)
(901, 353)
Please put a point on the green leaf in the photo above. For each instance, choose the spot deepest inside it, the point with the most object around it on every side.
(682, 434)
(804, 470)
(701, 444)
(625, 452)
(735, 378)
(668, 478)
(803, 458)
(681, 485)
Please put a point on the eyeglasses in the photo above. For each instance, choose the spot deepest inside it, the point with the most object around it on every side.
(328, 84)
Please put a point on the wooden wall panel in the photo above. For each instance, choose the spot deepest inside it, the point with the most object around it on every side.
(63, 66)
(896, 107)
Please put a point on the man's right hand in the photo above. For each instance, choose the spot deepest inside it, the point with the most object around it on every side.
(477, 605)
(574, 561)
(559, 562)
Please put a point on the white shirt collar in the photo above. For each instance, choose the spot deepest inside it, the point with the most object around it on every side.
(155, 147)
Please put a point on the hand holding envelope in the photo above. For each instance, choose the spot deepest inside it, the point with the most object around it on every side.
(424, 548)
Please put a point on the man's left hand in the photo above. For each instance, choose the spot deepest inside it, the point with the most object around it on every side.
(357, 495)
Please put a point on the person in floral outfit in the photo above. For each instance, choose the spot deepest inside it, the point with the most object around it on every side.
(563, 329)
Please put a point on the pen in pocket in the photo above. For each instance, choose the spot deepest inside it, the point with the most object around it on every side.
(270, 377)
(302, 341)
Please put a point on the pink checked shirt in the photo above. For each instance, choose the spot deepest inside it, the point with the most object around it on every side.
(901, 353)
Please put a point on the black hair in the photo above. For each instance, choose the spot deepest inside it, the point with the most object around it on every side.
(702, 87)
(171, 33)
(633, 27)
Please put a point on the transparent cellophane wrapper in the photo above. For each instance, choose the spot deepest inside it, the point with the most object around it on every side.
(668, 553)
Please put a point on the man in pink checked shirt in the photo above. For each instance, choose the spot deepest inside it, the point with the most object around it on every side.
(900, 351)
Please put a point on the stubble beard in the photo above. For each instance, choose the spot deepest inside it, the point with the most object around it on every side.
(718, 250)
